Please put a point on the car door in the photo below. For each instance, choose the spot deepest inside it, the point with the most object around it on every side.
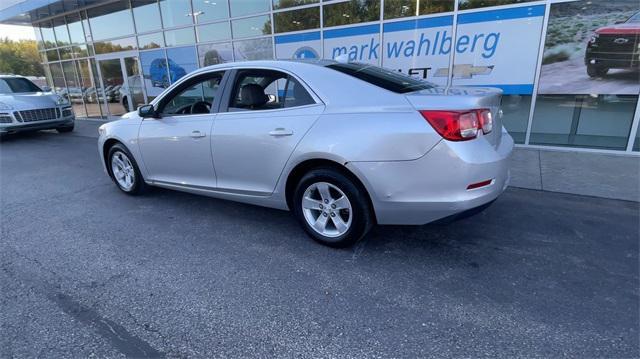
(176, 148)
(263, 116)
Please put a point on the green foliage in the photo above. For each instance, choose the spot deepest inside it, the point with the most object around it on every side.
(20, 58)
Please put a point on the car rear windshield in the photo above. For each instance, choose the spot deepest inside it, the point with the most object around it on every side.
(387, 79)
(17, 85)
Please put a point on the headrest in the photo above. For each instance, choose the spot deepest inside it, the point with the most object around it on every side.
(253, 95)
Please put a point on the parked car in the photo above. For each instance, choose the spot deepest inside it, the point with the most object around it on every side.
(160, 76)
(25, 106)
(614, 47)
(133, 89)
(110, 93)
(343, 146)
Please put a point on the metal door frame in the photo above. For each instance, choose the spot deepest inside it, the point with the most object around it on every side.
(120, 56)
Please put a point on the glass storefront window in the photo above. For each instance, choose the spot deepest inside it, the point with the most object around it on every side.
(181, 61)
(126, 44)
(296, 20)
(636, 144)
(251, 26)
(52, 55)
(146, 14)
(175, 13)
(88, 85)
(351, 12)
(48, 37)
(210, 10)
(154, 72)
(178, 37)
(113, 20)
(81, 51)
(85, 26)
(248, 7)
(214, 32)
(61, 31)
(403, 8)
(213, 54)
(59, 86)
(281, 4)
(38, 34)
(515, 109)
(472, 4)
(151, 41)
(254, 49)
(602, 121)
(76, 32)
(65, 53)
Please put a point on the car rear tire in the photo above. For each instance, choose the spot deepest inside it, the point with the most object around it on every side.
(65, 129)
(332, 208)
(596, 71)
(125, 104)
(125, 171)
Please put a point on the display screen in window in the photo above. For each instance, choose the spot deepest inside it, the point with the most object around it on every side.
(592, 47)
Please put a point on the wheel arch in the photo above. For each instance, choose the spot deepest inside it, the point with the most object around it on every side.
(299, 170)
(105, 152)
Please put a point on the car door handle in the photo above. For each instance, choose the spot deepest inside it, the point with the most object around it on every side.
(280, 132)
(197, 134)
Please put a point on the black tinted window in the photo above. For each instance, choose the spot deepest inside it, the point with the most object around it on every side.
(387, 79)
(17, 85)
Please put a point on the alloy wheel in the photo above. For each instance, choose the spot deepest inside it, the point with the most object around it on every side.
(327, 209)
(123, 170)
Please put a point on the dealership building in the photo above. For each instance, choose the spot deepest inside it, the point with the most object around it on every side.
(569, 70)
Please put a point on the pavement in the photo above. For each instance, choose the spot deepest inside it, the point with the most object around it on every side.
(86, 271)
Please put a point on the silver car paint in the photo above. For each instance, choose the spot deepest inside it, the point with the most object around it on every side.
(410, 173)
(31, 101)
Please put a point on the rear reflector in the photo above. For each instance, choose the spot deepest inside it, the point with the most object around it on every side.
(479, 184)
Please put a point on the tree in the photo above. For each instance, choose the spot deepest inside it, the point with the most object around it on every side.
(20, 58)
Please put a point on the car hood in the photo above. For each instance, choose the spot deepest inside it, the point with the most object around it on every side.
(29, 101)
(620, 29)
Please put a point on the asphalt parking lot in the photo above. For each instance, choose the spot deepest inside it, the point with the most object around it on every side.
(89, 272)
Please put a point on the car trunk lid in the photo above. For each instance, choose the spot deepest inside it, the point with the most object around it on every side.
(461, 99)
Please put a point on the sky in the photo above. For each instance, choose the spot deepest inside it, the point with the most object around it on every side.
(15, 32)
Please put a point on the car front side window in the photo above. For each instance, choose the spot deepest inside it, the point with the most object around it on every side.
(195, 97)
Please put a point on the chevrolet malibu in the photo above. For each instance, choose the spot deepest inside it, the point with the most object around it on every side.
(26, 107)
(343, 146)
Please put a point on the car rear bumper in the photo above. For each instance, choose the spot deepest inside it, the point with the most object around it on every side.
(36, 125)
(435, 186)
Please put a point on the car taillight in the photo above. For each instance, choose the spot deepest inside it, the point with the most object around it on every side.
(486, 120)
(459, 125)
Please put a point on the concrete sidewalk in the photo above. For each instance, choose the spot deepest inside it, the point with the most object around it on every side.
(589, 174)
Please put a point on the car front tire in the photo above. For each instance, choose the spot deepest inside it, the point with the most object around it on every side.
(125, 171)
(332, 208)
(596, 71)
(65, 129)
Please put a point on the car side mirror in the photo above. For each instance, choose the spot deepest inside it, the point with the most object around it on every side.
(46, 89)
(147, 111)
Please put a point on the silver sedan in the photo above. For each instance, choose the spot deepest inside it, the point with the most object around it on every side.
(343, 146)
(25, 107)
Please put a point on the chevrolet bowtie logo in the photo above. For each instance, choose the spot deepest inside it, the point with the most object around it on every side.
(464, 71)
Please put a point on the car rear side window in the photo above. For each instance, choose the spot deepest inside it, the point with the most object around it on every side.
(387, 79)
(261, 89)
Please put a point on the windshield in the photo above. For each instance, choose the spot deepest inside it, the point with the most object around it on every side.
(635, 18)
(387, 79)
(17, 85)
